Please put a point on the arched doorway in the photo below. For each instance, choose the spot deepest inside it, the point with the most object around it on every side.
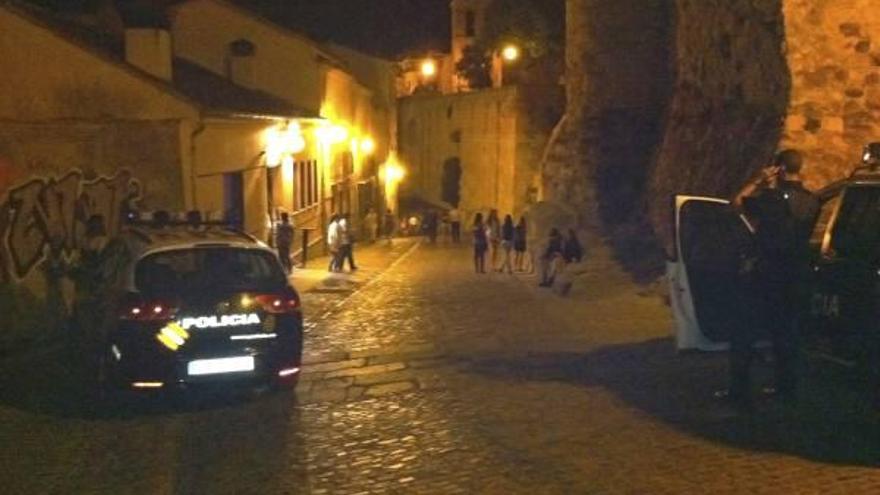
(451, 181)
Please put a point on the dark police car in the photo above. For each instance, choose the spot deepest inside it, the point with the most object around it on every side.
(844, 318)
(197, 304)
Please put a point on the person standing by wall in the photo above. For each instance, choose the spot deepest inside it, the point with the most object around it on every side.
(784, 212)
(481, 243)
(371, 225)
(493, 226)
(455, 224)
(283, 242)
(507, 235)
(519, 243)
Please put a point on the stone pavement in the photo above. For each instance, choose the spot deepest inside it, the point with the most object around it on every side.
(423, 377)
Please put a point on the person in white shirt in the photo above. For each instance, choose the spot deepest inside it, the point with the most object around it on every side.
(334, 244)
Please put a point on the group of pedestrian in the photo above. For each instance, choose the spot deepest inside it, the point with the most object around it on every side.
(340, 242)
(499, 240)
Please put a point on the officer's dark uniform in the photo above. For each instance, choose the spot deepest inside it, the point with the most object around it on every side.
(784, 217)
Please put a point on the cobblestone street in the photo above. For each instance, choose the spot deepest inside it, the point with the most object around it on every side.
(422, 377)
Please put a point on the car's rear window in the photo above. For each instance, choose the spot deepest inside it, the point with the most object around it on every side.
(208, 269)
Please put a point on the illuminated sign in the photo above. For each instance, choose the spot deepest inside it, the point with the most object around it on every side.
(224, 321)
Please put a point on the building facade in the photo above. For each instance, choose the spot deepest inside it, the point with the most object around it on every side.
(476, 150)
(218, 110)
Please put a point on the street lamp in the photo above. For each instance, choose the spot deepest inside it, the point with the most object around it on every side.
(429, 68)
(510, 53)
(368, 145)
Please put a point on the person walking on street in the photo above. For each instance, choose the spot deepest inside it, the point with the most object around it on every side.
(431, 225)
(519, 244)
(551, 259)
(346, 238)
(371, 225)
(283, 242)
(334, 244)
(507, 234)
(784, 212)
(481, 243)
(455, 224)
(493, 226)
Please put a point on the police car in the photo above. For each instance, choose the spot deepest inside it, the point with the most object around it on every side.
(711, 238)
(197, 304)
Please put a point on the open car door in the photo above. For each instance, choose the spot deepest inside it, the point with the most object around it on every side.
(713, 242)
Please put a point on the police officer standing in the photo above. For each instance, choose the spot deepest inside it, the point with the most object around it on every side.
(782, 212)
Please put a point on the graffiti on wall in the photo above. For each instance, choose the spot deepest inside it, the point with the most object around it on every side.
(46, 209)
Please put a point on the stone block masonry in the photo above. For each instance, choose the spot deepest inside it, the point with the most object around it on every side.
(716, 87)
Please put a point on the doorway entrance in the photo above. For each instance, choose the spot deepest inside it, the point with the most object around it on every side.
(233, 198)
(451, 181)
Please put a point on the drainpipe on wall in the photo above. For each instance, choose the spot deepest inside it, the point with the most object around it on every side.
(200, 128)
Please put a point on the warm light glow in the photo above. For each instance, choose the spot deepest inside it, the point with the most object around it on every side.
(368, 145)
(338, 134)
(510, 53)
(287, 169)
(293, 139)
(323, 134)
(283, 142)
(394, 172)
(429, 68)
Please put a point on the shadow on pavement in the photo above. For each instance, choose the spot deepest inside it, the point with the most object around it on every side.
(52, 383)
(832, 422)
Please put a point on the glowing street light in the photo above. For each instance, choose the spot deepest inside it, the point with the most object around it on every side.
(368, 145)
(394, 173)
(282, 143)
(429, 68)
(338, 134)
(510, 53)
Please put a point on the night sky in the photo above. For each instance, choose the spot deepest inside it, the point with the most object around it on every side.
(383, 27)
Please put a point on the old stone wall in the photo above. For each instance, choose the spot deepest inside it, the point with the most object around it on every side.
(617, 79)
(833, 51)
(729, 101)
(748, 77)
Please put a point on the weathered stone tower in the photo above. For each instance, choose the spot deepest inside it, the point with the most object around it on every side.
(618, 80)
(468, 18)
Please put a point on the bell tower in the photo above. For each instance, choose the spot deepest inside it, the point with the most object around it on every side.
(468, 18)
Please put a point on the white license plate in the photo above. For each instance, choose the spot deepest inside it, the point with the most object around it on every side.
(219, 366)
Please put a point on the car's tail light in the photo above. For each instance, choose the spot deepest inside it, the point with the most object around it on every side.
(276, 304)
(135, 308)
